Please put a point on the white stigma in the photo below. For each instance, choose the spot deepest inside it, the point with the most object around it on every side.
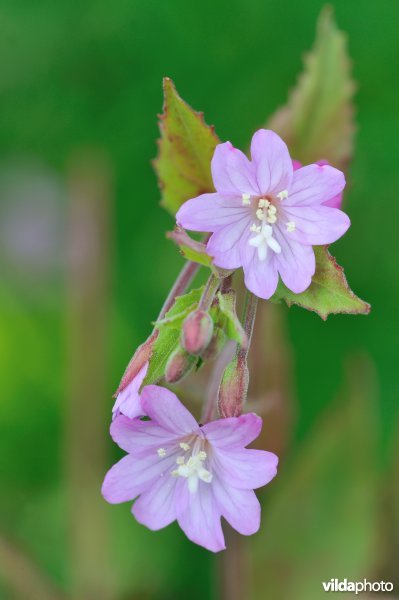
(246, 199)
(263, 241)
(192, 470)
(282, 195)
(291, 226)
(161, 452)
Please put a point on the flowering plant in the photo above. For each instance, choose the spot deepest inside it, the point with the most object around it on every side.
(272, 217)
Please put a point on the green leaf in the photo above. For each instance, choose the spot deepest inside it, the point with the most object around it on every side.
(186, 147)
(169, 334)
(231, 323)
(328, 293)
(317, 122)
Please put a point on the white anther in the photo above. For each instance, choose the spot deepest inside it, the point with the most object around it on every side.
(271, 218)
(260, 214)
(255, 228)
(180, 460)
(184, 446)
(246, 199)
(202, 455)
(282, 195)
(161, 452)
(272, 210)
(291, 226)
(263, 203)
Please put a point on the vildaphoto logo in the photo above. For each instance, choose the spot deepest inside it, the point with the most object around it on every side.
(335, 585)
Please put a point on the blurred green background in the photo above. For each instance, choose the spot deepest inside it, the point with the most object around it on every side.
(85, 268)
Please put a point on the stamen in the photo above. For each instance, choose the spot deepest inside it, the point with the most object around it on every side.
(246, 199)
(272, 210)
(260, 214)
(202, 455)
(263, 203)
(184, 446)
(291, 226)
(255, 228)
(180, 460)
(282, 195)
(271, 218)
(161, 452)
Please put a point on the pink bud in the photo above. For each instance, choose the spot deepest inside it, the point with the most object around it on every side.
(197, 332)
(179, 365)
(233, 388)
(137, 362)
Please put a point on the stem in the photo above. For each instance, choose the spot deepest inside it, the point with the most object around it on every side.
(183, 280)
(248, 317)
(211, 287)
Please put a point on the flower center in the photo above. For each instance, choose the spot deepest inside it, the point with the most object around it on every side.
(191, 466)
(267, 214)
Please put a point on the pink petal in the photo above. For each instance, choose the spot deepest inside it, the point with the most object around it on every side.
(132, 476)
(166, 410)
(317, 225)
(199, 517)
(335, 201)
(240, 508)
(245, 468)
(260, 276)
(232, 172)
(128, 400)
(136, 436)
(272, 162)
(296, 263)
(233, 432)
(224, 244)
(156, 508)
(211, 212)
(313, 185)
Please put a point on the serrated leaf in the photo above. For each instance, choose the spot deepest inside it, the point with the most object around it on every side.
(186, 147)
(169, 334)
(328, 293)
(231, 323)
(317, 122)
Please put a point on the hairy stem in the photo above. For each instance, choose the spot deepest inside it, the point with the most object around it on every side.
(248, 318)
(211, 287)
(182, 282)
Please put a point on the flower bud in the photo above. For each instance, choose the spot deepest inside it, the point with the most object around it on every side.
(197, 332)
(233, 388)
(179, 365)
(215, 346)
(137, 362)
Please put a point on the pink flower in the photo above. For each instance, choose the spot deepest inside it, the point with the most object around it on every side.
(128, 400)
(196, 474)
(265, 216)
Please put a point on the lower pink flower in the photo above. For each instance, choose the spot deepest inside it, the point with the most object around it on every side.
(128, 400)
(180, 470)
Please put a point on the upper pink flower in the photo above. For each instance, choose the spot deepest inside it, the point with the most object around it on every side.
(128, 400)
(265, 216)
(195, 474)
